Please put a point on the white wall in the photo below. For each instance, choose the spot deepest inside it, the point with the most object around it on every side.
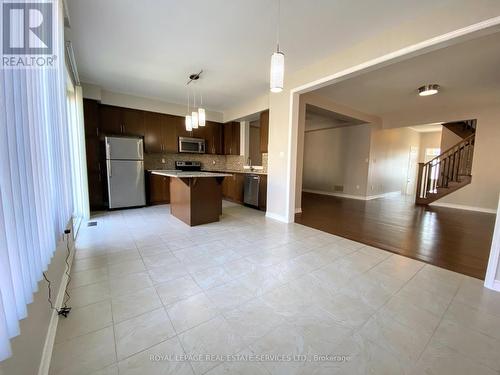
(389, 156)
(448, 139)
(337, 156)
(428, 140)
(391, 45)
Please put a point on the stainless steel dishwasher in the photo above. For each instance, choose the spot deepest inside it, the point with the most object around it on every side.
(251, 196)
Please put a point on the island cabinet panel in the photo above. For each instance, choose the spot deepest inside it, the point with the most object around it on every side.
(158, 189)
(264, 131)
(121, 121)
(196, 201)
(231, 138)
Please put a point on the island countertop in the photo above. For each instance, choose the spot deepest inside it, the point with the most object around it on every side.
(188, 174)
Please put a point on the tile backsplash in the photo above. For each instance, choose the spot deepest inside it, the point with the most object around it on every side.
(209, 162)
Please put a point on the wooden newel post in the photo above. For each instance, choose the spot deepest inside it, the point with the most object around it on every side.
(419, 181)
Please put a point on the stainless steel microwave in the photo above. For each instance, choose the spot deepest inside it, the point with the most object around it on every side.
(192, 145)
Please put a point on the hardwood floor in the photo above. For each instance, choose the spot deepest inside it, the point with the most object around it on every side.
(457, 240)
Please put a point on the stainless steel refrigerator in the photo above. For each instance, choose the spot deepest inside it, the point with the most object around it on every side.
(125, 171)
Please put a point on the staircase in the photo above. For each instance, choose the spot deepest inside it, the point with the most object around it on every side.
(449, 171)
(463, 129)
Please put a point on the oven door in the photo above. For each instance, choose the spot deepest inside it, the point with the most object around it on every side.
(192, 145)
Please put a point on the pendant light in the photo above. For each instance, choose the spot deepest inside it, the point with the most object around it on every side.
(188, 120)
(201, 113)
(196, 117)
(194, 114)
(277, 62)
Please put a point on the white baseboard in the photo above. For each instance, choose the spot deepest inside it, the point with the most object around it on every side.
(350, 196)
(464, 207)
(50, 339)
(274, 216)
(494, 286)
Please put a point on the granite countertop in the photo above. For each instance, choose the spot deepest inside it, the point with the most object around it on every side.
(188, 174)
(247, 171)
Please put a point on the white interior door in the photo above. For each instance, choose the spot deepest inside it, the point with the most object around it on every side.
(126, 183)
(412, 171)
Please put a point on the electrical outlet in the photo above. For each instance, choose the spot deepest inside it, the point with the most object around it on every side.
(213, 162)
(357, 187)
(163, 161)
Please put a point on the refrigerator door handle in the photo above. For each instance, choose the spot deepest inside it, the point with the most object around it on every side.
(110, 174)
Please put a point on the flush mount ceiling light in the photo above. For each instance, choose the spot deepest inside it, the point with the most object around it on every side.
(277, 62)
(428, 90)
(196, 117)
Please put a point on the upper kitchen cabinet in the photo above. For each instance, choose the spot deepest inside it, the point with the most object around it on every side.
(110, 120)
(91, 117)
(264, 131)
(133, 122)
(231, 138)
(213, 136)
(121, 121)
(161, 132)
(154, 137)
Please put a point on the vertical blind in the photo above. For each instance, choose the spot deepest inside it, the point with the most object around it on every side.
(35, 181)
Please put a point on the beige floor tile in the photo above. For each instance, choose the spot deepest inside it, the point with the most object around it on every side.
(211, 277)
(84, 320)
(165, 358)
(482, 348)
(170, 272)
(178, 289)
(214, 337)
(134, 304)
(126, 267)
(88, 277)
(478, 320)
(403, 342)
(439, 359)
(253, 320)
(86, 295)
(228, 296)
(142, 332)
(128, 283)
(84, 354)
(190, 312)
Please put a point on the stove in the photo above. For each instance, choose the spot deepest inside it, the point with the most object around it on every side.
(188, 165)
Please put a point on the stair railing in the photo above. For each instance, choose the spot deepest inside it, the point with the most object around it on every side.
(447, 167)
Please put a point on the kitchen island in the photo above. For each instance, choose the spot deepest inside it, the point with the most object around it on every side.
(195, 196)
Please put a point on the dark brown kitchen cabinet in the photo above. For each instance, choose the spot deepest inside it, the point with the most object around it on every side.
(263, 192)
(233, 186)
(110, 120)
(264, 131)
(231, 138)
(94, 153)
(154, 135)
(213, 137)
(158, 189)
(133, 122)
(91, 118)
(121, 121)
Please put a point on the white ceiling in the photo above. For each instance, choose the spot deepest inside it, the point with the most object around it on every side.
(468, 74)
(149, 47)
